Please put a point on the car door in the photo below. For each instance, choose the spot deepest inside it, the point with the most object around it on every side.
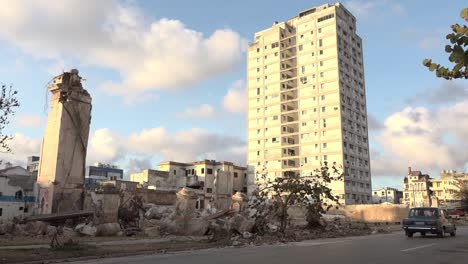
(447, 222)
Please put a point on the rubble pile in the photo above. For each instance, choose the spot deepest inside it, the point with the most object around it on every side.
(37, 229)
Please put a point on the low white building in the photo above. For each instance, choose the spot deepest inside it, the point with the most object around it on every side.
(387, 195)
(17, 193)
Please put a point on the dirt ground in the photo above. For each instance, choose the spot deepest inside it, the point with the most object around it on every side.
(101, 247)
(85, 251)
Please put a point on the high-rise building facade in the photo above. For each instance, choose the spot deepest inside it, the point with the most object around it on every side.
(307, 100)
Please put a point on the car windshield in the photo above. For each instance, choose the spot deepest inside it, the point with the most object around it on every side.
(423, 212)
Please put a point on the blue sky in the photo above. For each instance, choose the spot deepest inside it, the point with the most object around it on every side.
(146, 108)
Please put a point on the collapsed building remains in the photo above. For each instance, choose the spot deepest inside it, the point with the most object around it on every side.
(64, 146)
(213, 182)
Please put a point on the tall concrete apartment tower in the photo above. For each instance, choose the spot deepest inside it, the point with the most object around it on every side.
(307, 100)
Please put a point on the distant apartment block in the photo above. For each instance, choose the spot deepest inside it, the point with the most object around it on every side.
(100, 172)
(387, 195)
(33, 164)
(307, 100)
(447, 187)
(417, 191)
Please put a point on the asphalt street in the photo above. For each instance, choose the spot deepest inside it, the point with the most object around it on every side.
(374, 249)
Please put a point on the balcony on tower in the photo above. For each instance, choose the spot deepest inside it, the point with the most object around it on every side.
(290, 151)
(289, 106)
(288, 96)
(288, 84)
(289, 129)
(290, 140)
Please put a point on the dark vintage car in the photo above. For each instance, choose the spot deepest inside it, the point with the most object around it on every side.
(426, 220)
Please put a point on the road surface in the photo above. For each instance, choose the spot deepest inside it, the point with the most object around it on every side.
(374, 249)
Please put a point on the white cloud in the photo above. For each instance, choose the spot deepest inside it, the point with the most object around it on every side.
(148, 54)
(427, 140)
(361, 7)
(187, 145)
(204, 111)
(104, 146)
(138, 149)
(21, 147)
(236, 98)
(366, 8)
(29, 120)
(56, 68)
(424, 39)
(447, 92)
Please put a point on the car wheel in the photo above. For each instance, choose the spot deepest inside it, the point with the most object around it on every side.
(423, 234)
(441, 234)
(409, 234)
(453, 233)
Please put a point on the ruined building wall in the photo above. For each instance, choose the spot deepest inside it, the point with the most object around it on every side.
(63, 153)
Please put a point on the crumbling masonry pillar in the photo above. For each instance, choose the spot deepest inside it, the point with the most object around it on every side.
(64, 146)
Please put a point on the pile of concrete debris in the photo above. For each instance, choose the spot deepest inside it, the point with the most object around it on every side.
(44, 230)
(167, 220)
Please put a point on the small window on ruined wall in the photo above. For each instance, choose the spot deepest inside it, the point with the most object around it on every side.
(19, 195)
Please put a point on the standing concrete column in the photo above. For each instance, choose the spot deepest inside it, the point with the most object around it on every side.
(185, 209)
(63, 153)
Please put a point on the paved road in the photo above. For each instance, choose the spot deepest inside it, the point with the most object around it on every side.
(375, 249)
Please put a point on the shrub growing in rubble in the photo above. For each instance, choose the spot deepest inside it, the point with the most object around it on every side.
(273, 197)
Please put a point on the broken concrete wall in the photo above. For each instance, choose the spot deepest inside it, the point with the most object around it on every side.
(223, 189)
(64, 146)
(157, 197)
(374, 212)
(106, 207)
(185, 208)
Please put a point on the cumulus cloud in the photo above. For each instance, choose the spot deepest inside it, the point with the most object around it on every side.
(29, 120)
(135, 151)
(365, 8)
(137, 165)
(204, 111)
(428, 140)
(447, 92)
(148, 54)
(104, 146)
(235, 100)
(22, 147)
(424, 39)
(187, 145)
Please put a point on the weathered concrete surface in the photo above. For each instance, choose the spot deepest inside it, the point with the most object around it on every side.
(106, 207)
(239, 202)
(222, 192)
(157, 197)
(374, 212)
(185, 208)
(108, 229)
(64, 146)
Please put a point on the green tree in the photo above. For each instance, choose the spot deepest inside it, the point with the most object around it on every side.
(458, 53)
(8, 103)
(274, 197)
